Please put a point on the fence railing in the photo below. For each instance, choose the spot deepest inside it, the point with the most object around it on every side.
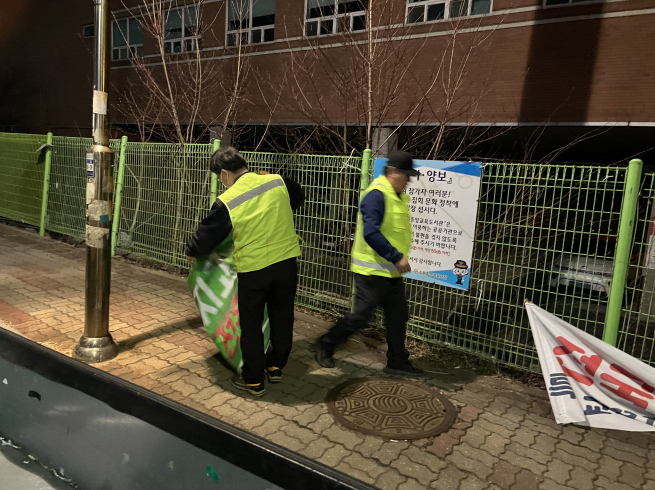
(22, 159)
(544, 233)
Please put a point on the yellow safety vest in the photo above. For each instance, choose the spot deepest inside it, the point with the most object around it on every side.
(262, 221)
(396, 227)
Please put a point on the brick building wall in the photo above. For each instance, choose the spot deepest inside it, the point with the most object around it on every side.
(583, 63)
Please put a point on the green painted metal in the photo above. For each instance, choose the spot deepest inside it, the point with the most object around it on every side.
(325, 223)
(366, 164)
(21, 176)
(118, 194)
(46, 184)
(623, 251)
(67, 195)
(214, 186)
(164, 196)
(363, 184)
(637, 323)
(530, 217)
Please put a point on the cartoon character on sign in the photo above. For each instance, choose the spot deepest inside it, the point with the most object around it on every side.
(461, 269)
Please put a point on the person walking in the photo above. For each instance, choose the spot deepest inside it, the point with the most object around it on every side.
(379, 259)
(257, 210)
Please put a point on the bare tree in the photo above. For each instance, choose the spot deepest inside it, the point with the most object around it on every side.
(174, 95)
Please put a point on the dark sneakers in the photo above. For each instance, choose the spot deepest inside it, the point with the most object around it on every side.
(323, 355)
(254, 389)
(273, 374)
(406, 370)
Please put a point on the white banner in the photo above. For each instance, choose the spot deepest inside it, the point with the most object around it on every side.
(590, 382)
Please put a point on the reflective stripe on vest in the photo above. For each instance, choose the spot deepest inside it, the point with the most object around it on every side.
(374, 265)
(247, 196)
(262, 221)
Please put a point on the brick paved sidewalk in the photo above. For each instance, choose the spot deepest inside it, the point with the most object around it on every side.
(504, 438)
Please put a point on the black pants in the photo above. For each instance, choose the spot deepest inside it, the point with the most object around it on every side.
(373, 291)
(273, 287)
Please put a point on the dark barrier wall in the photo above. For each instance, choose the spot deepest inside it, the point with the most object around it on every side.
(110, 434)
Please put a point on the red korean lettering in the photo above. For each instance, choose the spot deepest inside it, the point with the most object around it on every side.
(579, 377)
(626, 391)
(566, 348)
(591, 363)
(628, 374)
(227, 330)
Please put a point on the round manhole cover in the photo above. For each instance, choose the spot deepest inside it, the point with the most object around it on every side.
(389, 408)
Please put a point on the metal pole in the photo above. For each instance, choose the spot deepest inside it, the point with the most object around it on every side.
(214, 186)
(46, 184)
(363, 184)
(623, 251)
(119, 192)
(96, 344)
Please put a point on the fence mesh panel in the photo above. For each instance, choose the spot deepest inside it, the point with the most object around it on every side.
(637, 327)
(165, 195)
(67, 197)
(21, 176)
(325, 223)
(544, 233)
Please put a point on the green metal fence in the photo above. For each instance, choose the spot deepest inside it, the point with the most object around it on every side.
(165, 194)
(325, 224)
(544, 233)
(539, 229)
(66, 198)
(22, 161)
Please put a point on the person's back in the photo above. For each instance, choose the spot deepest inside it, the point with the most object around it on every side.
(262, 221)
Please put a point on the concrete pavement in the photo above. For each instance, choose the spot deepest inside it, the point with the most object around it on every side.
(504, 437)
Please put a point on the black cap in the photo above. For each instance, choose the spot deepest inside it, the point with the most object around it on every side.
(402, 161)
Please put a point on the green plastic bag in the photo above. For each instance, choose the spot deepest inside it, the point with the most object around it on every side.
(213, 282)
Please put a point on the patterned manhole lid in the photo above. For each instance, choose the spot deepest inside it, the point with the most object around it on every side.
(389, 408)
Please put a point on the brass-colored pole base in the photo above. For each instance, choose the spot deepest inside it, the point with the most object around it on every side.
(95, 349)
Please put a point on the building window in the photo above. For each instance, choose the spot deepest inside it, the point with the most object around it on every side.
(88, 31)
(182, 30)
(126, 39)
(429, 10)
(250, 22)
(333, 16)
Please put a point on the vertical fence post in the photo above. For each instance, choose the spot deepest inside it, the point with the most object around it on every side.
(363, 184)
(623, 251)
(214, 186)
(46, 184)
(117, 198)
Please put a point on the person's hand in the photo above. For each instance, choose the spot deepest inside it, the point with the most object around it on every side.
(403, 266)
(263, 172)
(191, 259)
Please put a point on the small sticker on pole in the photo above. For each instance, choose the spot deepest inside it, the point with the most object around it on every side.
(100, 102)
(90, 166)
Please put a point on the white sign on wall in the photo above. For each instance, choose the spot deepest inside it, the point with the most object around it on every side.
(443, 209)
